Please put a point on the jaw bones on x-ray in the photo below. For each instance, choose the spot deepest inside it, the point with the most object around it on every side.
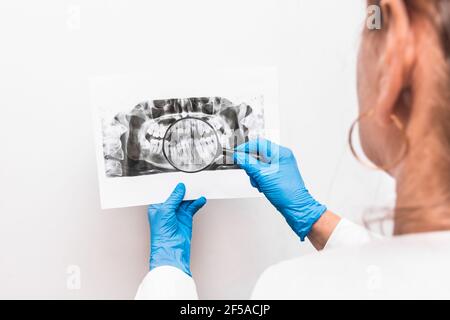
(133, 141)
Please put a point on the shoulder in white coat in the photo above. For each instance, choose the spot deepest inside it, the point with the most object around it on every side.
(405, 267)
(171, 283)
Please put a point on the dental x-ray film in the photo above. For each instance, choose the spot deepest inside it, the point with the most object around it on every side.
(133, 141)
(155, 131)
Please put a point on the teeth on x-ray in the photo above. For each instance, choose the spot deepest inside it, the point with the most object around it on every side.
(190, 144)
(133, 141)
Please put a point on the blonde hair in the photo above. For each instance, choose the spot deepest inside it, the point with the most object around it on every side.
(437, 15)
(437, 12)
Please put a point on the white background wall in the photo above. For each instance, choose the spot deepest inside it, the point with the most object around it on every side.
(49, 201)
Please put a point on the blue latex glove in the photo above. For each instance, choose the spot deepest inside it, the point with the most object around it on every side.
(171, 230)
(278, 178)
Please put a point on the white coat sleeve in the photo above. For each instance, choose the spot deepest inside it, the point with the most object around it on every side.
(287, 279)
(348, 233)
(167, 283)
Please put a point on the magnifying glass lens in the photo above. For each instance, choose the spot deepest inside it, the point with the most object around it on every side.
(190, 145)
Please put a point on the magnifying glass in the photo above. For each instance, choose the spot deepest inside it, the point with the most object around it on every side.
(192, 145)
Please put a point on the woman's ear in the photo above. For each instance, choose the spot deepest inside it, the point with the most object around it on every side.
(397, 58)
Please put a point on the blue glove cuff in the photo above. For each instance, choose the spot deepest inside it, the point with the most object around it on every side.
(302, 220)
(171, 257)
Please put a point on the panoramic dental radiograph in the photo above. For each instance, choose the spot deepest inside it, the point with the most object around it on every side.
(189, 135)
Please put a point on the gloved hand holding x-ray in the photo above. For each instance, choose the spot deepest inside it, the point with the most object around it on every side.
(171, 230)
(272, 170)
(276, 175)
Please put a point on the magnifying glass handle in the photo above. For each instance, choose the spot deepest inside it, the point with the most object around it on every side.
(231, 152)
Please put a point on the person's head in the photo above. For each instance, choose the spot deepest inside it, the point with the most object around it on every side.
(404, 71)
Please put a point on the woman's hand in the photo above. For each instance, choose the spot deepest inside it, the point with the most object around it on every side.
(171, 230)
(277, 176)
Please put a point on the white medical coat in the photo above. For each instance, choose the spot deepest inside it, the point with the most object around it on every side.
(355, 264)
